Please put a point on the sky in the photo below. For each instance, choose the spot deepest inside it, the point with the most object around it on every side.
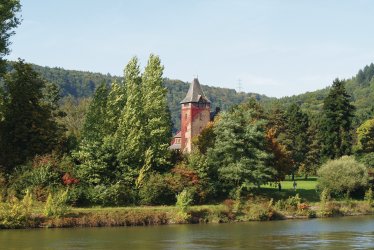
(272, 47)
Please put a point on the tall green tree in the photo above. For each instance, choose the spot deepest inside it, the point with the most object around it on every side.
(8, 21)
(336, 125)
(240, 150)
(95, 122)
(296, 138)
(94, 160)
(115, 106)
(157, 127)
(130, 134)
(28, 127)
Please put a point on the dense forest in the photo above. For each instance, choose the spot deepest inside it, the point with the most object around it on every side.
(360, 88)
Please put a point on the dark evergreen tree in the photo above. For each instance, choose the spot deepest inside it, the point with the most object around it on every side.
(336, 125)
(28, 127)
(296, 139)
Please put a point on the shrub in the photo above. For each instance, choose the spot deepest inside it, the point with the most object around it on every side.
(184, 200)
(369, 196)
(342, 175)
(106, 195)
(15, 213)
(156, 191)
(57, 206)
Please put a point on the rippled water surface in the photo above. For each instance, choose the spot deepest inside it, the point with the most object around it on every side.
(336, 233)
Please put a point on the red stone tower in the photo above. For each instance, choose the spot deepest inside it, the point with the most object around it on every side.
(195, 115)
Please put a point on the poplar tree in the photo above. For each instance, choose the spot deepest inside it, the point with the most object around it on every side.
(91, 154)
(130, 133)
(95, 122)
(337, 122)
(115, 106)
(156, 113)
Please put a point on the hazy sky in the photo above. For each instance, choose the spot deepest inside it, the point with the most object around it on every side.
(276, 48)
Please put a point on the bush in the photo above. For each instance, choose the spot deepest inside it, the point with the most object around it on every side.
(15, 213)
(184, 200)
(156, 191)
(369, 197)
(107, 195)
(57, 206)
(341, 176)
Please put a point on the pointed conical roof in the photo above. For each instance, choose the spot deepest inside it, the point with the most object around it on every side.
(195, 93)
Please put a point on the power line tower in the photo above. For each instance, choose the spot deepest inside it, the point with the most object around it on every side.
(239, 85)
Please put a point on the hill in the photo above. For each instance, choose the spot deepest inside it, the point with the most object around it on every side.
(360, 87)
(83, 84)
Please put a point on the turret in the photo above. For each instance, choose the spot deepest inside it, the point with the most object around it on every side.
(195, 115)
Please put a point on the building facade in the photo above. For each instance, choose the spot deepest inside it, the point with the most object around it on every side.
(195, 115)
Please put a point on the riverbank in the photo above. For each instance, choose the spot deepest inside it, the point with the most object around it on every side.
(228, 212)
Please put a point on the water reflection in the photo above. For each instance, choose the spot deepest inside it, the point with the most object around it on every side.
(338, 233)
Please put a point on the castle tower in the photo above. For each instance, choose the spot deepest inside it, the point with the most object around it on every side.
(195, 115)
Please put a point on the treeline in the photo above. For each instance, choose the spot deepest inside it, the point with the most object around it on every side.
(81, 85)
(360, 88)
(119, 154)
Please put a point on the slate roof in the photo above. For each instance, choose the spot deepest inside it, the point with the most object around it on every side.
(195, 93)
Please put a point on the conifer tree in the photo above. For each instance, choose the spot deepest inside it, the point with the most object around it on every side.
(337, 122)
(296, 135)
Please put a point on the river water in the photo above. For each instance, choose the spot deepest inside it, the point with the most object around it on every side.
(335, 233)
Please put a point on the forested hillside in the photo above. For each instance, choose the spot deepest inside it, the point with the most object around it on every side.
(83, 84)
(360, 88)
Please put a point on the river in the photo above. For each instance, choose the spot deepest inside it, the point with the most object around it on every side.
(333, 233)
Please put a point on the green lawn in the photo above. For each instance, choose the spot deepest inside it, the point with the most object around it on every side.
(305, 189)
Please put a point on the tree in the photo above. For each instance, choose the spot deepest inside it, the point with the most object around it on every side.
(239, 152)
(130, 136)
(281, 160)
(115, 106)
(95, 123)
(28, 127)
(296, 139)
(95, 162)
(365, 137)
(75, 113)
(336, 123)
(157, 118)
(313, 156)
(8, 21)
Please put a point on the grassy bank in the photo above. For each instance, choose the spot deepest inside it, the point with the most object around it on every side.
(229, 211)
(266, 203)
